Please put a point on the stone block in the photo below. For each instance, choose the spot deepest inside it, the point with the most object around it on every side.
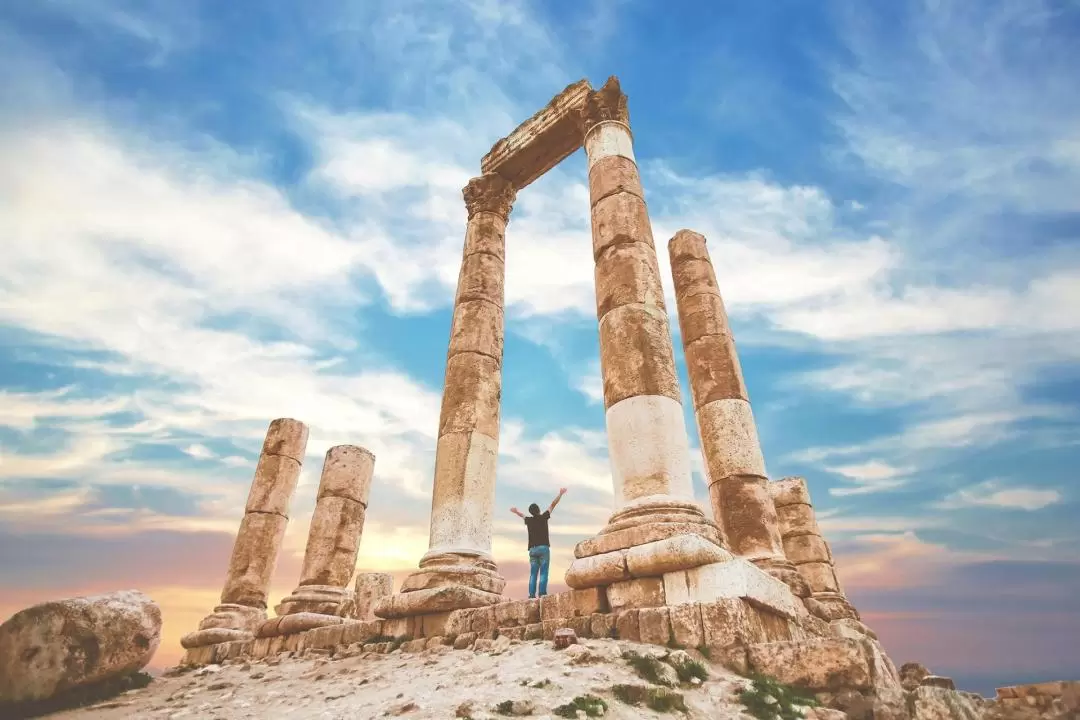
(588, 601)
(430, 625)
(482, 622)
(368, 589)
(260, 648)
(619, 219)
(534, 631)
(287, 437)
(686, 625)
(694, 276)
(820, 576)
(277, 644)
(433, 643)
(627, 625)
(654, 626)
(602, 625)
(481, 277)
(636, 353)
(733, 579)
(398, 627)
(477, 327)
(483, 644)
(701, 316)
(326, 637)
(797, 520)
(414, 646)
(597, 570)
(713, 365)
(473, 388)
(486, 233)
(820, 665)
(273, 486)
(790, 490)
(625, 274)
(556, 606)
(459, 621)
(636, 593)
(361, 632)
(750, 521)
(291, 644)
(580, 624)
(938, 681)
(464, 640)
(514, 633)
(434, 600)
(640, 534)
(517, 612)
(550, 626)
(735, 621)
(806, 548)
(253, 558)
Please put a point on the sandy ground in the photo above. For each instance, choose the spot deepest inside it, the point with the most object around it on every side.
(440, 684)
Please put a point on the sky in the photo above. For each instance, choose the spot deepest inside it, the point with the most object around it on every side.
(216, 214)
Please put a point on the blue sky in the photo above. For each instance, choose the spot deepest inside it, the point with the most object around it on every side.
(215, 214)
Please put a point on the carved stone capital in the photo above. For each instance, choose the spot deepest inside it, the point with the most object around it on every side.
(489, 193)
(607, 103)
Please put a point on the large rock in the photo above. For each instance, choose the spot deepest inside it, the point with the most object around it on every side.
(57, 646)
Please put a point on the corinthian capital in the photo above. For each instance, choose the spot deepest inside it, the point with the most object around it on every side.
(489, 193)
(607, 103)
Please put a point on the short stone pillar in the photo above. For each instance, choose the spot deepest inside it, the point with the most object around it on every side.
(808, 550)
(334, 536)
(458, 570)
(734, 464)
(258, 542)
(647, 439)
(369, 589)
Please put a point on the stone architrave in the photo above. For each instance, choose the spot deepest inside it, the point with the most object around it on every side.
(805, 546)
(458, 570)
(646, 429)
(734, 465)
(334, 536)
(258, 542)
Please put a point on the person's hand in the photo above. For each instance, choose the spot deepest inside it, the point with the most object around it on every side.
(515, 511)
(562, 491)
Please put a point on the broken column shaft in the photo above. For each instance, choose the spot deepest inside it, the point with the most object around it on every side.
(805, 546)
(258, 542)
(334, 535)
(734, 465)
(458, 570)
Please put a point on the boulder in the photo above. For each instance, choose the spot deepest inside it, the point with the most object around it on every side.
(911, 675)
(564, 638)
(58, 646)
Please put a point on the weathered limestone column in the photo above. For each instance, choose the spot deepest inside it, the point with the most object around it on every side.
(647, 439)
(734, 465)
(258, 542)
(458, 570)
(334, 537)
(808, 550)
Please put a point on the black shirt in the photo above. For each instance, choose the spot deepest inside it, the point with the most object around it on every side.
(538, 529)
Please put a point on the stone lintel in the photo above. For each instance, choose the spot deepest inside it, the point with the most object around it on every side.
(297, 623)
(213, 636)
(541, 142)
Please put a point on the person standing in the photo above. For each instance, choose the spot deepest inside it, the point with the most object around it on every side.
(539, 544)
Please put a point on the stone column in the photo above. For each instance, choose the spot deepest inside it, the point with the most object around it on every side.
(368, 590)
(458, 570)
(334, 537)
(734, 465)
(258, 542)
(808, 550)
(646, 429)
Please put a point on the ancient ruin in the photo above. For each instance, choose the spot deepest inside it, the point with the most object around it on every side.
(756, 590)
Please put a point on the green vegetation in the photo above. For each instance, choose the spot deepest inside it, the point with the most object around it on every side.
(659, 699)
(647, 667)
(591, 705)
(767, 698)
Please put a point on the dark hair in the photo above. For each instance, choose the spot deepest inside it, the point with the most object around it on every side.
(534, 509)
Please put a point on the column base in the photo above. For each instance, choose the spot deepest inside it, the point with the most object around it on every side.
(321, 599)
(446, 581)
(647, 520)
(227, 623)
(650, 559)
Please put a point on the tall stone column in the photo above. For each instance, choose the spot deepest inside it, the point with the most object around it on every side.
(458, 570)
(334, 537)
(734, 465)
(258, 542)
(646, 429)
(808, 550)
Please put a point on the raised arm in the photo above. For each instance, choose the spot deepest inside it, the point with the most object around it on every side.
(519, 513)
(562, 491)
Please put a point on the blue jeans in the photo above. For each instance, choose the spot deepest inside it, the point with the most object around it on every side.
(539, 558)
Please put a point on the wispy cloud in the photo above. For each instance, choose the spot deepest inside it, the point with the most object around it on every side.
(999, 494)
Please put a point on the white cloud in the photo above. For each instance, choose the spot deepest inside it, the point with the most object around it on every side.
(869, 477)
(199, 451)
(998, 494)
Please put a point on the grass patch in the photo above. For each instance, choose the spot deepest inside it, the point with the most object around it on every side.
(767, 698)
(76, 697)
(705, 651)
(690, 669)
(647, 667)
(591, 705)
(506, 707)
(659, 699)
